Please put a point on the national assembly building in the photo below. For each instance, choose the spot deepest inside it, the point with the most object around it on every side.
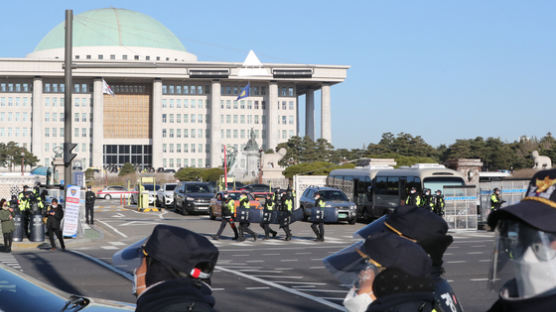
(168, 109)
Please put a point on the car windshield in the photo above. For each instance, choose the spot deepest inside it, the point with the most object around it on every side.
(170, 187)
(236, 195)
(333, 195)
(150, 187)
(197, 188)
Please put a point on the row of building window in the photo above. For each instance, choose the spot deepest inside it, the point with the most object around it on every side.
(83, 149)
(77, 102)
(187, 118)
(195, 163)
(184, 89)
(187, 133)
(14, 101)
(53, 132)
(9, 116)
(124, 57)
(50, 87)
(53, 117)
(289, 91)
(187, 103)
(129, 89)
(243, 134)
(242, 104)
(187, 148)
(249, 119)
(10, 132)
(234, 90)
(15, 87)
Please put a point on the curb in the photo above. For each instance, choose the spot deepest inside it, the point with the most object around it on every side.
(84, 238)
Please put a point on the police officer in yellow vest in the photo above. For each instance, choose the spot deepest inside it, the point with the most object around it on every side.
(413, 199)
(228, 212)
(244, 222)
(25, 208)
(318, 221)
(269, 207)
(428, 200)
(495, 201)
(287, 206)
(37, 198)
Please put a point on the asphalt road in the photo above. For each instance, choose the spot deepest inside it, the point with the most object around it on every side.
(273, 275)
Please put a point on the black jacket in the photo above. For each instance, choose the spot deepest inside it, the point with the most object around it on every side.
(405, 302)
(90, 199)
(176, 295)
(53, 221)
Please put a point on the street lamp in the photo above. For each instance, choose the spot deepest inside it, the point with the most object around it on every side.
(22, 159)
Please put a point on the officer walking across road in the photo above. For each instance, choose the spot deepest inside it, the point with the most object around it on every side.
(318, 220)
(413, 199)
(268, 208)
(228, 211)
(89, 206)
(287, 206)
(54, 215)
(439, 203)
(523, 267)
(244, 218)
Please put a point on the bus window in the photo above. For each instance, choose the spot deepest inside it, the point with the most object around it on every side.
(381, 185)
(438, 183)
(392, 186)
(414, 182)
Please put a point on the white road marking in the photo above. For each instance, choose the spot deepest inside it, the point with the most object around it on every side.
(332, 298)
(316, 259)
(288, 260)
(260, 271)
(109, 247)
(475, 253)
(287, 289)
(484, 260)
(457, 261)
(448, 254)
(283, 269)
(139, 223)
(328, 290)
(478, 246)
(240, 255)
(301, 283)
(118, 243)
(281, 276)
(316, 267)
(217, 289)
(271, 254)
(303, 253)
(254, 261)
(479, 279)
(118, 215)
(113, 228)
(257, 288)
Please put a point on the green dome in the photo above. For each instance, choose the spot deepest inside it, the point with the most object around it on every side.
(113, 27)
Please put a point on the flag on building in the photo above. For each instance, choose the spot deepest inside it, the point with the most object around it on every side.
(106, 88)
(244, 92)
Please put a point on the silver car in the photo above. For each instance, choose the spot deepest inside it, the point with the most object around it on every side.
(149, 188)
(165, 195)
(113, 191)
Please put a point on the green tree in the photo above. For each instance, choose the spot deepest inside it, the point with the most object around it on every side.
(199, 174)
(313, 168)
(127, 168)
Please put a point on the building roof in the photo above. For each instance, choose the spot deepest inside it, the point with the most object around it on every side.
(113, 27)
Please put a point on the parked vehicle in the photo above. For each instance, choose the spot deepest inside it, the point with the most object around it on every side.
(21, 292)
(149, 188)
(333, 197)
(113, 191)
(192, 197)
(165, 195)
(217, 200)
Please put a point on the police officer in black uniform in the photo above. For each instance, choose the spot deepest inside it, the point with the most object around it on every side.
(286, 206)
(24, 202)
(268, 209)
(54, 215)
(175, 270)
(439, 203)
(427, 201)
(524, 259)
(318, 221)
(228, 211)
(89, 206)
(244, 218)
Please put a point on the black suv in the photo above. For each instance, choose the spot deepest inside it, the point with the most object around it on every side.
(333, 197)
(192, 197)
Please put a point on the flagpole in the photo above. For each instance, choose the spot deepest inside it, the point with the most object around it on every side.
(225, 170)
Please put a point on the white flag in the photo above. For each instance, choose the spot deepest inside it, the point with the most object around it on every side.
(106, 88)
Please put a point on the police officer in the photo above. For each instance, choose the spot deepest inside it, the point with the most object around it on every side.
(439, 203)
(244, 219)
(54, 215)
(495, 201)
(37, 198)
(428, 200)
(287, 207)
(89, 206)
(413, 199)
(268, 208)
(318, 221)
(25, 208)
(228, 211)
(523, 270)
(172, 269)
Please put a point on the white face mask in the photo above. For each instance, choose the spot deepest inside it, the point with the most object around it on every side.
(533, 276)
(354, 302)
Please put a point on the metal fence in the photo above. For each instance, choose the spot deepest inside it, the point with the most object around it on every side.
(512, 191)
(461, 207)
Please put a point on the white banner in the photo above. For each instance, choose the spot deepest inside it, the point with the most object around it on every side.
(71, 211)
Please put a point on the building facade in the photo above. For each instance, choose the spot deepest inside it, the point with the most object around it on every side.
(169, 109)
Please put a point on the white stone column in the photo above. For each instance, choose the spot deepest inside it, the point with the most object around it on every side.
(37, 147)
(98, 124)
(157, 124)
(215, 143)
(325, 123)
(272, 131)
(297, 115)
(310, 114)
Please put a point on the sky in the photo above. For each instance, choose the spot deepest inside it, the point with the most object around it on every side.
(444, 70)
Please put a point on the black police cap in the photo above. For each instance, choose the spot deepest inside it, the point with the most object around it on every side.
(180, 249)
(538, 207)
(416, 223)
(392, 251)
